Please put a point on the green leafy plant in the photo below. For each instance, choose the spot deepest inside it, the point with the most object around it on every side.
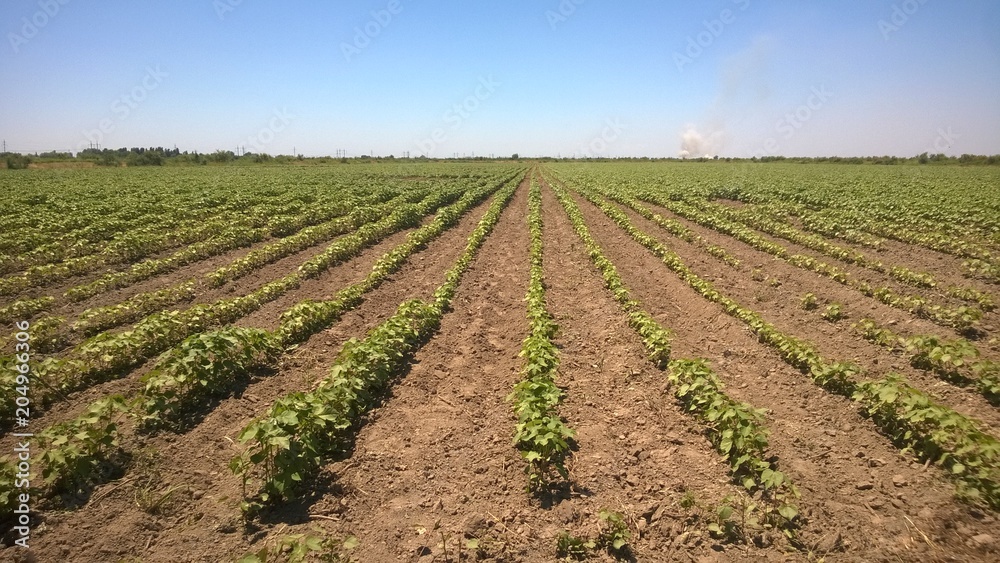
(612, 536)
(947, 358)
(937, 433)
(688, 500)
(570, 547)
(301, 430)
(85, 450)
(872, 332)
(298, 548)
(614, 533)
(736, 431)
(833, 312)
(987, 374)
(809, 302)
(540, 435)
(204, 366)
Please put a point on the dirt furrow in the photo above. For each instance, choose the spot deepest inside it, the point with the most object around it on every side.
(781, 305)
(335, 278)
(204, 291)
(436, 458)
(946, 268)
(203, 515)
(938, 295)
(859, 494)
(636, 446)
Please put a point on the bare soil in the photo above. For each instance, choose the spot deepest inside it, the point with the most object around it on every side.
(434, 465)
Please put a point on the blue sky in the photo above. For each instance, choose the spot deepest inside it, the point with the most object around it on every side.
(553, 77)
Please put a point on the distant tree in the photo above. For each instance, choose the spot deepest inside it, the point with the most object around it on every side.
(56, 155)
(17, 161)
(514, 156)
(222, 156)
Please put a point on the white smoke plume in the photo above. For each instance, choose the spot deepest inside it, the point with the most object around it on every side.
(695, 144)
(744, 87)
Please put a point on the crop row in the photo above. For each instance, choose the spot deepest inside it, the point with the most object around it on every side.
(301, 431)
(957, 360)
(80, 452)
(110, 354)
(962, 318)
(940, 214)
(907, 415)
(204, 366)
(130, 248)
(98, 319)
(759, 221)
(308, 237)
(980, 261)
(677, 229)
(735, 429)
(231, 238)
(540, 435)
(758, 218)
(123, 229)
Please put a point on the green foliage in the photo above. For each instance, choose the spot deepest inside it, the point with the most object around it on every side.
(952, 438)
(308, 317)
(946, 358)
(16, 161)
(983, 299)
(613, 535)
(736, 430)
(956, 361)
(987, 374)
(734, 223)
(25, 308)
(203, 366)
(98, 319)
(8, 493)
(871, 332)
(287, 445)
(78, 452)
(833, 312)
(655, 337)
(299, 548)
(570, 547)
(809, 302)
(937, 433)
(540, 435)
(982, 269)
